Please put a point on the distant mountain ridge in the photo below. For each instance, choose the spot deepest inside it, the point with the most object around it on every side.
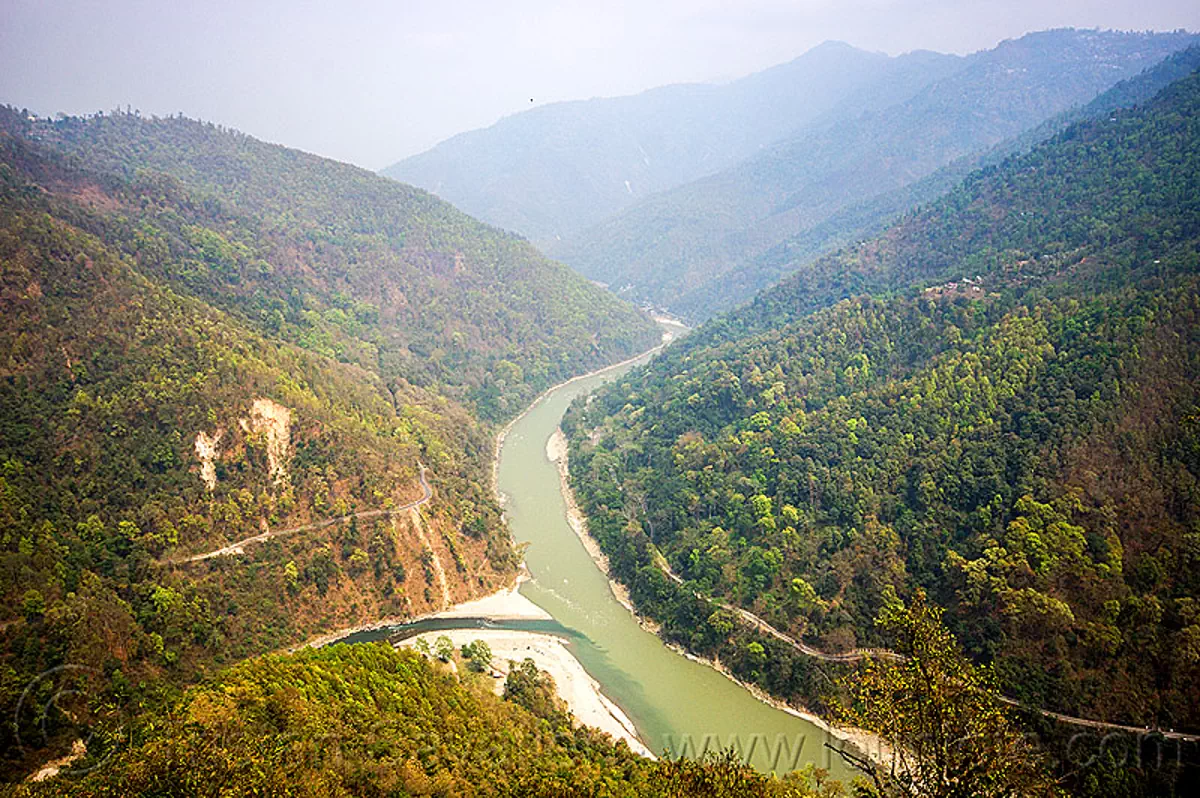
(867, 218)
(698, 238)
(554, 170)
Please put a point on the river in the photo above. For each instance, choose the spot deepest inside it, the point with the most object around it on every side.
(677, 704)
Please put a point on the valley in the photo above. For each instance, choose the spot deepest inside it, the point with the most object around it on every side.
(828, 430)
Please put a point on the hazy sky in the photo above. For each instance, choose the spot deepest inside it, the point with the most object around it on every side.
(371, 82)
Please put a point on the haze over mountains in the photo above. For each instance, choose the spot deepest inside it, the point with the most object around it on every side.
(928, 468)
(553, 171)
(875, 125)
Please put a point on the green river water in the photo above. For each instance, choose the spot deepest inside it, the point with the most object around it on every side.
(677, 704)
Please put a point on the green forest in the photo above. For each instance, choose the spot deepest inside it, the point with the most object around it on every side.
(366, 720)
(205, 337)
(344, 262)
(940, 488)
(369, 720)
(996, 402)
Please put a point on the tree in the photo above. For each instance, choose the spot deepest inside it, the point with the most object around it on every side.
(804, 596)
(478, 655)
(940, 715)
(33, 605)
(291, 577)
(535, 690)
(443, 648)
(724, 775)
(359, 560)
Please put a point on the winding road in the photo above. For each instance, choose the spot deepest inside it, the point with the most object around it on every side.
(859, 654)
(854, 655)
(239, 547)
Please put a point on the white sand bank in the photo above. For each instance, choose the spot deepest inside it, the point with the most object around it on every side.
(575, 686)
(507, 605)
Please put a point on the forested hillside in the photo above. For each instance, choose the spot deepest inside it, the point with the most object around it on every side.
(189, 362)
(369, 721)
(707, 245)
(552, 171)
(349, 264)
(867, 219)
(1004, 412)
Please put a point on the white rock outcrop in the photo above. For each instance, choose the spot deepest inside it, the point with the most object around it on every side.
(206, 452)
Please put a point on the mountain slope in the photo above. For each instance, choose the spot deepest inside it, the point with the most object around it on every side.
(866, 219)
(869, 218)
(555, 170)
(697, 239)
(138, 423)
(366, 720)
(188, 363)
(1022, 445)
(350, 264)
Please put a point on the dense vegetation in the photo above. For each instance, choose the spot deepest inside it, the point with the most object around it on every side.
(710, 244)
(187, 361)
(1023, 447)
(205, 336)
(370, 720)
(346, 263)
(867, 219)
(555, 170)
(365, 720)
(941, 715)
